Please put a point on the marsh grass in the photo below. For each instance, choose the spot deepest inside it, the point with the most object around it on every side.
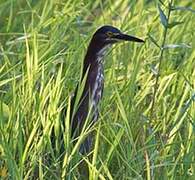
(146, 126)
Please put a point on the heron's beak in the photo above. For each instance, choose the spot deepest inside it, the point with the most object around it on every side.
(126, 37)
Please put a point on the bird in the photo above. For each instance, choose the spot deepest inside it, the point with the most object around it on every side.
(91, 94)
(93, 75)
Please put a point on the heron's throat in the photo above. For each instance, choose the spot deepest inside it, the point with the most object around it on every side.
(101, 53)
(95, 54)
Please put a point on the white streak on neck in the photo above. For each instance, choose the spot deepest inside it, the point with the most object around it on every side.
(101, 53)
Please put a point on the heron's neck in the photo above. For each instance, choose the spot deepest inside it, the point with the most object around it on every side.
(94, 56)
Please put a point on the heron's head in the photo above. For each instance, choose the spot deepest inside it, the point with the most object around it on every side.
(104, 37)
(109, 35)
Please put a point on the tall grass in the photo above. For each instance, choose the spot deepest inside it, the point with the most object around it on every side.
(147, 122)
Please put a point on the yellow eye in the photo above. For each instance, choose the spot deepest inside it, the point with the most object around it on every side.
(109, 34)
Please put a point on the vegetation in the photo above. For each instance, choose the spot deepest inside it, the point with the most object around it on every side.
(146, 128)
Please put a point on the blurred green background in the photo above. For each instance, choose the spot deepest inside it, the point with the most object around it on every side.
(146, 128)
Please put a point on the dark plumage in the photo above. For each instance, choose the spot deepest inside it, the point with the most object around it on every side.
(93, 69)
(94, 72)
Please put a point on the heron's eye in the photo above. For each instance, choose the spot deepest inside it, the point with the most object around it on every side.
(109, 34)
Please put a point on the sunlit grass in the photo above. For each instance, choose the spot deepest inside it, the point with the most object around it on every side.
(146, 126)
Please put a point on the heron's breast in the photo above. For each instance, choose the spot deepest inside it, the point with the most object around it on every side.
(98, 87)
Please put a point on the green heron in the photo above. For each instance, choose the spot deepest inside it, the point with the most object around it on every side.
(93, 69)
(93, 74)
